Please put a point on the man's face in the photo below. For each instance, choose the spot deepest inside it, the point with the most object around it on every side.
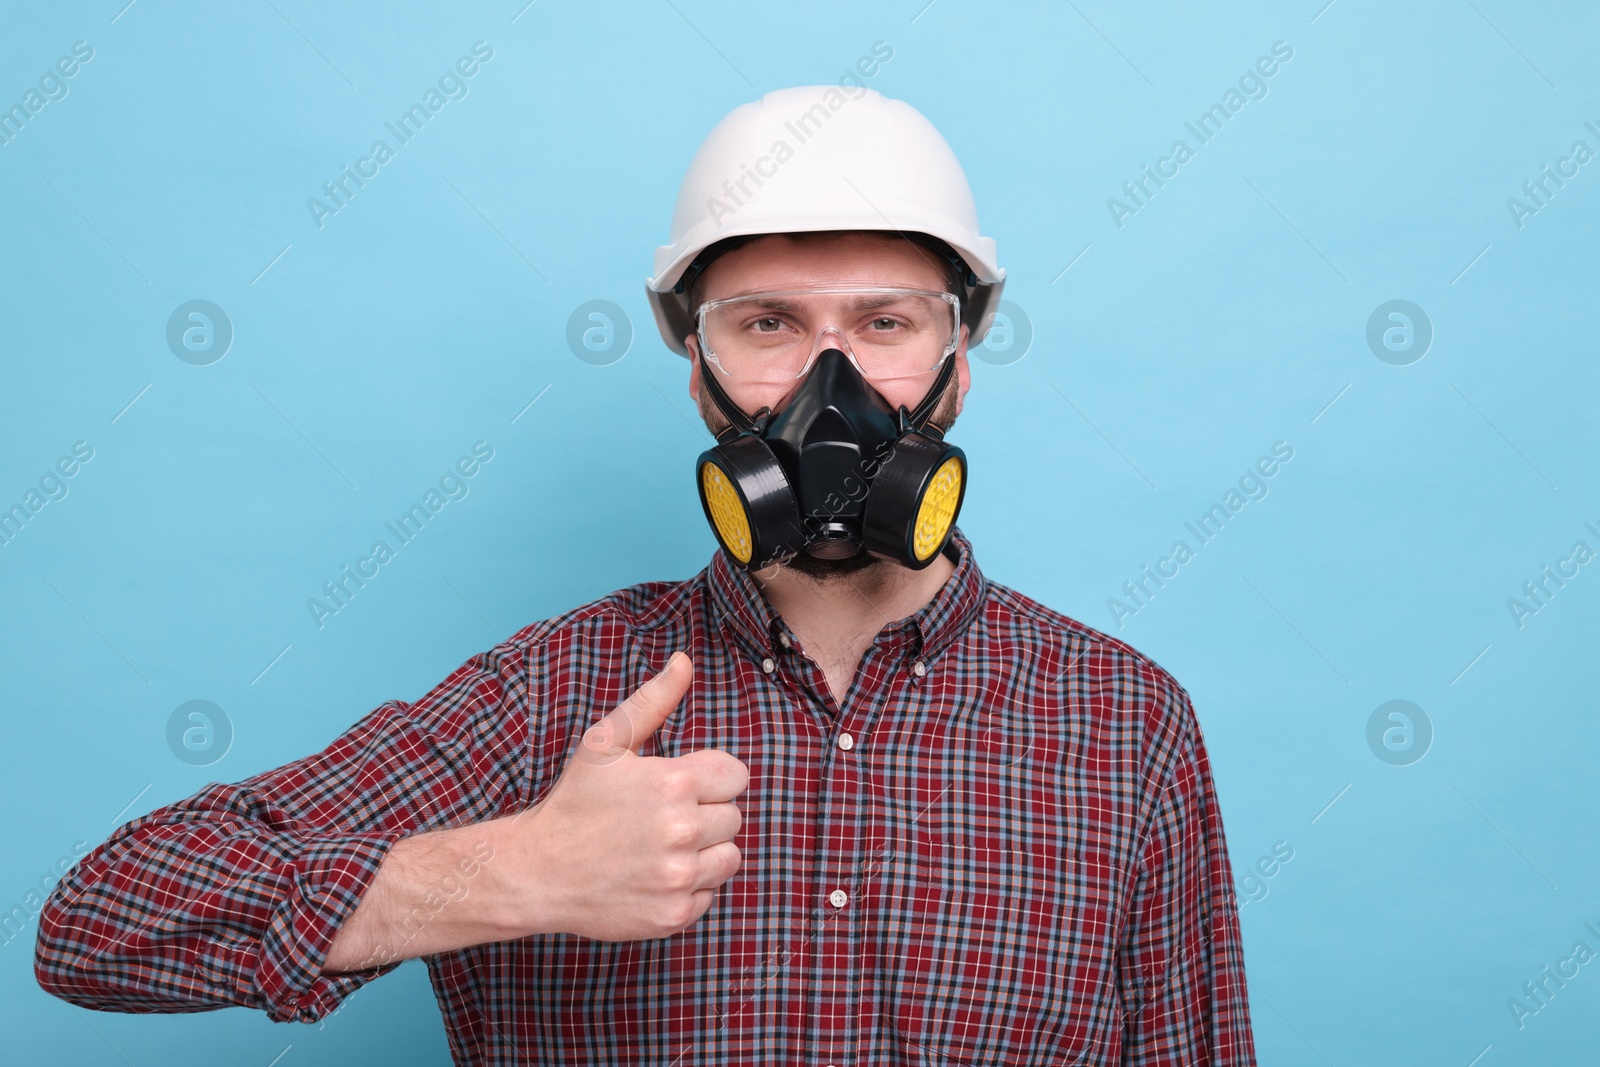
(778, 262)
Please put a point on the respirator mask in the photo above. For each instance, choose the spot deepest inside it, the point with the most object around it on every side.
(839, 470)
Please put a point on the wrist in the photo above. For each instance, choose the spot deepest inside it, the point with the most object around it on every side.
(515, 878)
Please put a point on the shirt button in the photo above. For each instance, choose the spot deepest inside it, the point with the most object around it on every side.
(838, 898)
(783, 639)
(768, 665)
(846, 742)
(919, 668)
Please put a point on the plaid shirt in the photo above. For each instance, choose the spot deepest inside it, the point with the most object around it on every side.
(1002, 846)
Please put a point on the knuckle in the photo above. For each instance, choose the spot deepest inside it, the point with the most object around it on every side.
(682, 833)
(683, 913)
(676, 781)
(677, 872)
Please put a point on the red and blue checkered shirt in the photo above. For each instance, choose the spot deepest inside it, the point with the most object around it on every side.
(1002, 847)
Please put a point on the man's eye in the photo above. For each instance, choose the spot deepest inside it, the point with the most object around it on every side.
(882, 324)
(768, 325)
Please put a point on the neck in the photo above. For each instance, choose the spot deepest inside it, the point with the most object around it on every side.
(837, 617)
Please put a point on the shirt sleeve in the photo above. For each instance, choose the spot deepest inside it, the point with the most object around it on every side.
(232, 897)
(1181, 961)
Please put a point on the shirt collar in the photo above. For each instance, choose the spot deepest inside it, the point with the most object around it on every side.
(741, 606)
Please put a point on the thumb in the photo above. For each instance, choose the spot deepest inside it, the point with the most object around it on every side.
(633, 722)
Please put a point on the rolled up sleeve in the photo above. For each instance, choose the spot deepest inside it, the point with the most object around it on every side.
(233, 896)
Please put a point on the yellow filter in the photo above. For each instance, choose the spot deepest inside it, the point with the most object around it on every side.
(727, 512)
(938, 509)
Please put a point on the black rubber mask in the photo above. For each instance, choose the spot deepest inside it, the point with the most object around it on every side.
(836, 472)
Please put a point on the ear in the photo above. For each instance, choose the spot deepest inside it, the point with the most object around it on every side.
(963, 373)
(692, 343)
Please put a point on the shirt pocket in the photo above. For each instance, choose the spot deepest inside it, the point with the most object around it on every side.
(1007, 959)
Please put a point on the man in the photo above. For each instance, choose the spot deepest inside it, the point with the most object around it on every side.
(970, 829)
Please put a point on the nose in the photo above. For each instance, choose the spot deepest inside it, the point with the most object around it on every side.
(822, 343)
(827, 366)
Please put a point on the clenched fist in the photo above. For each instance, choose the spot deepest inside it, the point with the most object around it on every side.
(626, 847)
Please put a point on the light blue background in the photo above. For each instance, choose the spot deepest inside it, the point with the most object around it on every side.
(1227, 314)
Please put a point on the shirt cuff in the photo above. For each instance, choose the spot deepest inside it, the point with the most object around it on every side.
(328, 880)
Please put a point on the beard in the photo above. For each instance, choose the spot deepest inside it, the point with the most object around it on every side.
(803, 563)
(822, 570)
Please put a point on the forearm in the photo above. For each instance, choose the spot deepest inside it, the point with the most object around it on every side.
(435, 892)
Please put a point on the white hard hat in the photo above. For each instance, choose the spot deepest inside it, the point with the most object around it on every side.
(823, 157)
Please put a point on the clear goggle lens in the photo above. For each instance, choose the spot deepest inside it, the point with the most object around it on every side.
(773, 337)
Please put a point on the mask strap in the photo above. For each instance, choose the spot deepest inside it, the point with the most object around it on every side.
(742, 423)
(918, 419)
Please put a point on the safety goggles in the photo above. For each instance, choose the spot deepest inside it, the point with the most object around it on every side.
(888, 332)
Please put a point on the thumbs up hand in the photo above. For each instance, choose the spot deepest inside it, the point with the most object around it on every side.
(626, 847)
